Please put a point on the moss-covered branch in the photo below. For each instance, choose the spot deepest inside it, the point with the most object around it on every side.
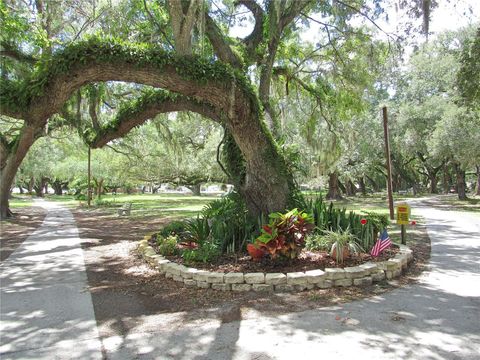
(146, 107)
(56, 78)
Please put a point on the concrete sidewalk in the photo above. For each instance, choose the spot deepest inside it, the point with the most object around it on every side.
(46, 309)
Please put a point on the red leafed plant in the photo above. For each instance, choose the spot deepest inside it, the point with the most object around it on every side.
(284, 236)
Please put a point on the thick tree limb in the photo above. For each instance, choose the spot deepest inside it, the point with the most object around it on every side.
(10, 51)
(219, 43)
(150, 110)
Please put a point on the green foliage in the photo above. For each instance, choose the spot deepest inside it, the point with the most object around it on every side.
(175, 228)
(468, 76)
(207, 252)
(342, 243)
(284, 236)
(100, 50)
(317, 242)
(328, 218)
(197, 230)
(167, 245)
(230, 225)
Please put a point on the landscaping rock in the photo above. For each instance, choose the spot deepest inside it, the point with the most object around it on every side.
(160, 265)
(378, 276)
(363, 281)
(397, 273)
(355, 272)
(203, 284)
(325, 284)
(283, 288)
(275, 279)
(369, 267)
(169, 275)
(172, 268)
(394, 264)
(343, 282)
(241, 287)
(201, 275)
(233, 278)
(189, 273)
(389, 274)
(304, 287)
(382, 265)
(296, 278)
(222, 287)
(215, 278)
(334, 274)
(178, 278)
(190, 282)
(315, 276)
(262, 287)
(254, 278)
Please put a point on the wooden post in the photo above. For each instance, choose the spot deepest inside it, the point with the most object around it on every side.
(389, 163)
(89, 191)
(404, 234)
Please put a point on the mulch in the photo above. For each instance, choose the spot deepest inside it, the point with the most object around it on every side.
(308, 260)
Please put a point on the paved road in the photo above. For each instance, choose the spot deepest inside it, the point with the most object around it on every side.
(45, 311)
(438, 318)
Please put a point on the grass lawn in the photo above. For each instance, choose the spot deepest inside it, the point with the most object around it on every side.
(145, 205)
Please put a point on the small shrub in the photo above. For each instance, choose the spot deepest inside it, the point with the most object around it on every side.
(174, 228)
(207, 252)
(167, 245)
(81, 197)
(317, 242)
(197, 230)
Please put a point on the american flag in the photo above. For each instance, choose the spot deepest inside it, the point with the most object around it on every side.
(382, 243)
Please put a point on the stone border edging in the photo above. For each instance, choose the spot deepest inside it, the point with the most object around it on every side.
(364, 274)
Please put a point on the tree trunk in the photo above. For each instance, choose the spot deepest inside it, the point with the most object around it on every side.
(196, 189)
(10, 164)
(478, 180)
(363, 188)
(374, 184)
(57, 186)
(100, 188)
(350, 188)
(433, 183)
(20, 188)
(333, 188)
(446, 179)
(461, 185)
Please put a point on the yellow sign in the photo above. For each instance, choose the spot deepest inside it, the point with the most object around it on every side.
(403, 214)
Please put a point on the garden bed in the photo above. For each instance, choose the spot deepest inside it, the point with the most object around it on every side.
(280, 280)
(308, 260)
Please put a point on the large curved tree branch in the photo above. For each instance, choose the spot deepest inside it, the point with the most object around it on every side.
(148, 108)
(219, 43)
(206, 81)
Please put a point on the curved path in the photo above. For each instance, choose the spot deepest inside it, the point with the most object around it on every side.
(46, 309)
(438, 318)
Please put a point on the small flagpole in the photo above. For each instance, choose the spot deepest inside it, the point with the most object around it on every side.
(389, 163)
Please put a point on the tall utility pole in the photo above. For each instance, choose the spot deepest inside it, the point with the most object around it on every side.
(389, 163)
(89, 191)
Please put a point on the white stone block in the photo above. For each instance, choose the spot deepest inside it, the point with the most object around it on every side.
(254, 278)
(275, 278)
(234, 278)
